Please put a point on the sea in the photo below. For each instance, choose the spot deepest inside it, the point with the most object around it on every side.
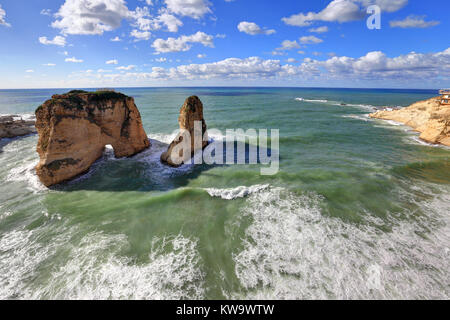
(359, 209)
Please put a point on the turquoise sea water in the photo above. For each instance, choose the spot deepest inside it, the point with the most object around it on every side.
(359, 209)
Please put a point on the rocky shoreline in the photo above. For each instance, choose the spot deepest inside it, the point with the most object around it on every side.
(428, 117)
(12, 126)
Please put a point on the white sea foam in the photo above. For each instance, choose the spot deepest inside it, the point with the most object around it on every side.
(234, 193)
(366, 107)
(95, 269)
(294, 251)
(364, 117)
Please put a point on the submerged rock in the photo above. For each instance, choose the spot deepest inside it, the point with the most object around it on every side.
(428, 117)
(75, 127)
(190, 113)
(14, 126)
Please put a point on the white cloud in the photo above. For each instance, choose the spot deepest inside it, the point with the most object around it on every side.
(49, 64)
(74, 60)
(144, 21)
(319, 29)
(90, 16)
(288, 45)
(115, 39)
(130, 67)
(57, 41)
(29, 71)
(191, 8)
(413, 22)
(182, 43)
(310, 40)
(2, 17)
(46, 12)
(140, 35)
(114, 61)
(343, 11)
(253, 29)
(161, 60)
(170, 21)
(201, 56)
(291, 60)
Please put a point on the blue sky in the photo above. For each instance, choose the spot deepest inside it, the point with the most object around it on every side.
(114, 43)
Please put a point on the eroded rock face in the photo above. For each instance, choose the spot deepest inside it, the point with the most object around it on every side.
(428, 117)
(74, 129)
(191, 113)
(14, 126)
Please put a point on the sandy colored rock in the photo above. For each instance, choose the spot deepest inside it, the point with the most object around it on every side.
(190, 113)
(428, 117)
(14, 126)
(74, 129)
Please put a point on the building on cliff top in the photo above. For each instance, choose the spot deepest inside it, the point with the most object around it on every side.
(445, 99)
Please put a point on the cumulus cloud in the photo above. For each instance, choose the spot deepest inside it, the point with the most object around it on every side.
(114, 61)
(3, 17)
(115, 39)
(253, 29)
(374, 65)
(46, 12)
(343, 11)
(49, 64)
(310, 40)
(74, 60)
(140, 35)
(130, 67)
(144, 21)
(319, 29)
(57, 41)
(90, 16)
(413, 22)
(201, 56)
(192, 8)
(182, 43)
(288, 45)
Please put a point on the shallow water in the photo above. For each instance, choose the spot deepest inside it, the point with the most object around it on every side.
(359, 209)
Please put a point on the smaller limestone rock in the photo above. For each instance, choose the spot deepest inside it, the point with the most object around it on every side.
(192, 124)
(14, 126)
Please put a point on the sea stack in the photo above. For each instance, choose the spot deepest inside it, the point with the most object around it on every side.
(190, 119)
(14, 126)
(75, 127)
(429, 117)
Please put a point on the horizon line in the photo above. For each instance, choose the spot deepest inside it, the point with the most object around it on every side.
(169, 87)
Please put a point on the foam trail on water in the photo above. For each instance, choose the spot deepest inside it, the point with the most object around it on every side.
(293, 251)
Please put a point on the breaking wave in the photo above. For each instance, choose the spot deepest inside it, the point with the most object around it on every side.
(96, 270)
(294, 251)
(234, 193)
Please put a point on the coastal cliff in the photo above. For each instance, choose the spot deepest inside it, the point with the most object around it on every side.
(75, 127)
(190, 113)
(428, 117)
(14, 126)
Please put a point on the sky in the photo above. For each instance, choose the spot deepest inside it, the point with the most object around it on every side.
(145, 43)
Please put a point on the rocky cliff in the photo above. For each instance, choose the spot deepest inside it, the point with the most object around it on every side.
(75, 127)
(428, 117)
(15, 126)
(190, 113)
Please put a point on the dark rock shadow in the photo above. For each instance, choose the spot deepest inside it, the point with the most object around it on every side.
(142, 173)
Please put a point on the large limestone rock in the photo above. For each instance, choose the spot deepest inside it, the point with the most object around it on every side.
(428, 117)
(14, 126)
(190, 113)
(74, 129)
